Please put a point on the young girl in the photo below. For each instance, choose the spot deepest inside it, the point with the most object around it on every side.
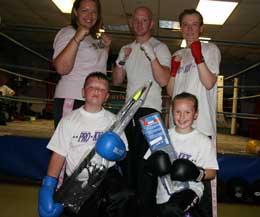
(196, 160)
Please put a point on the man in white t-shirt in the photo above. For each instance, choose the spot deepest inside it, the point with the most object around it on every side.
(144, 59)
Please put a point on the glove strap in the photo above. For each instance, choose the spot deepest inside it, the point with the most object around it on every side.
(49, 181)
(199, 60)
(174, 66)
(201, 175)
(121, 62)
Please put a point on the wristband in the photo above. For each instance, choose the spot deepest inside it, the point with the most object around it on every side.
(121, 62)
(77, 42)
(174, 66)
(197, 52)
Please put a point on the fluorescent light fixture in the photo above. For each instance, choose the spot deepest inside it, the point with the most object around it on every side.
(169, 24)
(65, 6)
(123, 28)
(202, 39)
(215, 12)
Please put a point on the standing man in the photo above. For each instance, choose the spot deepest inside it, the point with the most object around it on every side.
(195, 70)
(144, 59)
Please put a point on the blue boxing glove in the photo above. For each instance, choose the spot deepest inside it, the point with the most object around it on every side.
(110, 146)
(46, 205)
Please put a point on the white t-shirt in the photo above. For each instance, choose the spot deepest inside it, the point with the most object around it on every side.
(195, 147)
(138, 69)
(90, 58)
(187, 80)
(77, 133)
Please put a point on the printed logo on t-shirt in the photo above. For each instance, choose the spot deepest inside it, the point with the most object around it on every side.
(187, 68)
(85, 136)
(98, 45)
(186, 156)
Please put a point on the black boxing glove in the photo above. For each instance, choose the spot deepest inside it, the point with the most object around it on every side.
(185, 170)
(158, 164)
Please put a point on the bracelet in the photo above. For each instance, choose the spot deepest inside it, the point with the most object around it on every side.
(76, 40)
(121, 62)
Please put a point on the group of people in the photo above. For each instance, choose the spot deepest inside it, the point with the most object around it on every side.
(189, 75)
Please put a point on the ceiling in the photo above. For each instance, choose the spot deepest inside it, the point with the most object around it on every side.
(34, 24)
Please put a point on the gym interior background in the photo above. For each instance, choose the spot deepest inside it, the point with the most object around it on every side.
(27, 30)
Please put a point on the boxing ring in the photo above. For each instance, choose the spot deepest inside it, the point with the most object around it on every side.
(24, 137)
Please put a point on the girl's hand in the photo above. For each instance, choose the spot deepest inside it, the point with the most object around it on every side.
(106, 39)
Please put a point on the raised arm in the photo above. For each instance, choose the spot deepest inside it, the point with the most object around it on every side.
(65, 60)
(207, 77)
(118, 72)
(161, 73)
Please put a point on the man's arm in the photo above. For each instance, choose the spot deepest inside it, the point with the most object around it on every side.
(160, 73)
(170, 86)
(118, 75)
(118, 72)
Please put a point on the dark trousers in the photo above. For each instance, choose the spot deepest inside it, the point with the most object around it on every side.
(112, 199)
(204, 208)
(58, 108)
(144, 185)
(179, 204)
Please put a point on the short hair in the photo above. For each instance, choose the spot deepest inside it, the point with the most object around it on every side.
(98, 75)
(150, 13)
(190, 12)
(95, 29)
(187, 96)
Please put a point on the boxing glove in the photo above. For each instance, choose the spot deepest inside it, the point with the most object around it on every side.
(196, 52)
(175, 64)
(110, 146)
(148, 51)
(185, 170)
(46, 205)
(158, 164)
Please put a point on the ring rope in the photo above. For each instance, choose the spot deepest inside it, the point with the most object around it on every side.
(36, 100)
(243, 71)
(240, 86)
(27, 77)
(244, 97)
(241, 115)
(23, 46)
(35, 69)
(26, 99)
